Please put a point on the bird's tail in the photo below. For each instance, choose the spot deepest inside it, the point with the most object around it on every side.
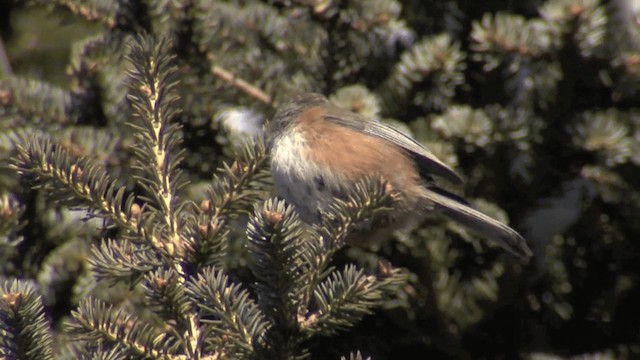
(461, 211)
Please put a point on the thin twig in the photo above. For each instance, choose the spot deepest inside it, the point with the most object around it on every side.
(239, 84)
(5, 65)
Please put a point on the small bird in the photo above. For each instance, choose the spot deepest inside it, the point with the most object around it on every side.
(320, 151)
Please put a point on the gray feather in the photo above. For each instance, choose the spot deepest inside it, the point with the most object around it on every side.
(503, 235)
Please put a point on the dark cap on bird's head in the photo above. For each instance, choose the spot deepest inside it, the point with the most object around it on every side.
(293, 106)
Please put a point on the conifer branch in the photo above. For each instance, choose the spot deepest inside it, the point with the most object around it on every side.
(24, 331)
(95, 320)
(154, 100)
(605, 134)
(437, 61)
(346, 296)
(115, 260)
(96, 10)
(230, 194)
(240, 184)
(210, 240)
(166, 296)
(28, 100)
(277, 250)
(78, 182)
(369, 200)
(355, 356)
(11, 212)
(501, 34)
(234, 322)
(343, 299)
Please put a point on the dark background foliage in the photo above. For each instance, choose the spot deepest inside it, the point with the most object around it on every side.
(535, 103)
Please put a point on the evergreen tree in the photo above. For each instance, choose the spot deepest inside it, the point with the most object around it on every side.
(136, 215)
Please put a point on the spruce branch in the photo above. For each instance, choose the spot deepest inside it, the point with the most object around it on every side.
(627, 66)
(88, 55)
(78, 183)
(11, 211)
(24, 331)
(167, 298)
(234, 324)
(505, 37)
(210, 240)
(355, 356)
(154, 99)
(625, 33)
(25, 100)
(348, 295)
(584, 20)
(277, 250)
(95, 320)
(489, 127)
(358, 99)
(610, 185)
(82, 183)
(370, 199)
(605, 133)
(290, 266)
(575, 56)
(518, 125)
(115, 260)
(473, 125)
(376, 28)
(65, 265)
(342, 299)
(460, 299)
(91, 351)
(524, 48)
(98, 70)
(240, 184)
(459, 296)
(230, 29)
(427, 74)
(357, 33)
(230, 193)
(96, 10)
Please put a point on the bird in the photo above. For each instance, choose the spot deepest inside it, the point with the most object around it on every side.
(319, 151)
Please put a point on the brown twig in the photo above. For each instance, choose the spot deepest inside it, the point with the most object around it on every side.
(239, 84)
(5, 65)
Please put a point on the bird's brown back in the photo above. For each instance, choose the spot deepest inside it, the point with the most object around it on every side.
(354, 155)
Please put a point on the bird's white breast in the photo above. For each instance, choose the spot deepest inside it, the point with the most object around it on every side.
(298, 179)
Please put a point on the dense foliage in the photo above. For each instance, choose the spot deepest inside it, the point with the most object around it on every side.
(136, 213)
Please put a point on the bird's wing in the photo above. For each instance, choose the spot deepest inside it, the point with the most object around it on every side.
(423, 157)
